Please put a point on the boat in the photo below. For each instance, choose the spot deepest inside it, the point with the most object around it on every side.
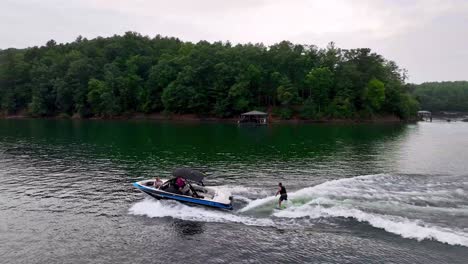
(197, 193)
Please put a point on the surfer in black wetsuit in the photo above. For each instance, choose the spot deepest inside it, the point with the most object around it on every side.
(283, 195)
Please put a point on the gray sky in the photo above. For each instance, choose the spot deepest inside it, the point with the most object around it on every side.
(427, 37)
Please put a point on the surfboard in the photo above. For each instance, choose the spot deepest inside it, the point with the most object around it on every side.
(280, 208)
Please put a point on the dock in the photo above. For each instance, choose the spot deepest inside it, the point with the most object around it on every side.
(425, 116)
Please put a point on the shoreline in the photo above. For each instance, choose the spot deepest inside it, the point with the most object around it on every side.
(191, 118)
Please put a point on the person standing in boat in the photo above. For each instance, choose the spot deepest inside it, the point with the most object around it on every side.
(283, 195)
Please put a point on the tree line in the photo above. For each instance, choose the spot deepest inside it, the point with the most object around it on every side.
(120, 75)
(442, 96)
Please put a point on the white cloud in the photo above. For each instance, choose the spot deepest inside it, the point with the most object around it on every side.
(388, 26)
(267, 20)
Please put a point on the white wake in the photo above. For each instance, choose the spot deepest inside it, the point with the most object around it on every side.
(154, 208)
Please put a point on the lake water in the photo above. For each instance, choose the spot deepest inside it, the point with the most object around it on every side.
(367, 193)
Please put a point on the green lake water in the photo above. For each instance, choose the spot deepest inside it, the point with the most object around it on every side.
(358, 192)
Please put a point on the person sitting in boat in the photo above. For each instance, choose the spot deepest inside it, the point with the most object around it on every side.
(283, 195)
(182, 186)
(157, 183)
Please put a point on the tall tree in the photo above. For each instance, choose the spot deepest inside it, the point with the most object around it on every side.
(320, 83)
(375, 94)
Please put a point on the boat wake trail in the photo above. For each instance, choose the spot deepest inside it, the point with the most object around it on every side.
(154, 208)
(404, 227)
(411, 206)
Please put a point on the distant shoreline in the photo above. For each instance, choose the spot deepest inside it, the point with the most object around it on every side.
(198, 119)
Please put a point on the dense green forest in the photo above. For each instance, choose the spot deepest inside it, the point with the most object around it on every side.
(442, 96)
(121, 75)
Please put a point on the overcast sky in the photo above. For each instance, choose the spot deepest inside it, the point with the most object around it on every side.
(427, 37)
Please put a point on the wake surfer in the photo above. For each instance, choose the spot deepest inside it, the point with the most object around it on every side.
(283, 195)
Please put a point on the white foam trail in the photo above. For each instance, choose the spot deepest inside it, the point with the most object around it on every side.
(308, 192)
(383, 195)
(404, 227)
(238, 190)
(259, 202)
(324, 189)
(154, 208)
(242, 198)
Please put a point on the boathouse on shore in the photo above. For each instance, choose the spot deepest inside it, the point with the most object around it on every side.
(254, 117)
(425, 116)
